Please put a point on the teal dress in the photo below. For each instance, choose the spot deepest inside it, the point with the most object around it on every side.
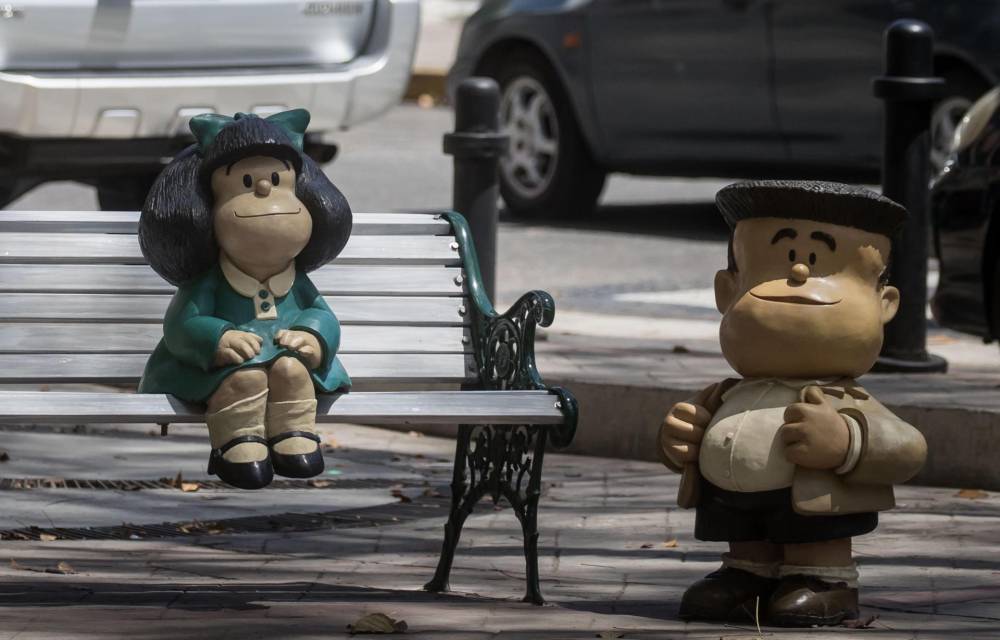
(208, 306)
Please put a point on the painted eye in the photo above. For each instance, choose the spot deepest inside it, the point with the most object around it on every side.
(274, 179)
(247, 180)
(791, 255)
(812, 258)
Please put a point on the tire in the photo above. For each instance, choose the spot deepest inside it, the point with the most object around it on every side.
(962, 88)
(548, 170)
(124, 193)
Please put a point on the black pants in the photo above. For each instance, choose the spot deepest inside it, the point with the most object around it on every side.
(732, 516)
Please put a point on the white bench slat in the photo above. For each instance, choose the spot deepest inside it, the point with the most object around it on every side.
(106, 248)
(142, 308)
(333, 279)
(426, 407)
(127, 368)
(142, 338)
(365, 224)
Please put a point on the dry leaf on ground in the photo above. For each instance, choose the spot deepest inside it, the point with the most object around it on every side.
(62, 567)
(318, 483)
(188, 487)
(670, 544)
(47, 537)
(399, 495)
(860, 624)
(972, 494)
(377, 623)
(646, 546)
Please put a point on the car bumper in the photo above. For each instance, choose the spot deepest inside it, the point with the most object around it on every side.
(116, 105)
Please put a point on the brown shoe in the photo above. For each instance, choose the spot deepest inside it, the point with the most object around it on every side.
(806, 601)
(726, 595)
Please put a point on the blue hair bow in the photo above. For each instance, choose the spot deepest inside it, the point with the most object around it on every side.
(206, 126)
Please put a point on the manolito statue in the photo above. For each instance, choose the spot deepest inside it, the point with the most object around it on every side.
(795, 459)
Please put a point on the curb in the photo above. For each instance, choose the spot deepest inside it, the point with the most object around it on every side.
(427, 83)
(623, 421)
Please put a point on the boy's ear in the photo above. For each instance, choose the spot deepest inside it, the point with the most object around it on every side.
(725, 289)
(890, 303)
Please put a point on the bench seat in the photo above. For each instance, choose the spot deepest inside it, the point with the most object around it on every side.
(371, 407)
(79, 305)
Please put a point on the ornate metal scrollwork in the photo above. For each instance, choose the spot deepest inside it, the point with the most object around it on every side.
(503, 461)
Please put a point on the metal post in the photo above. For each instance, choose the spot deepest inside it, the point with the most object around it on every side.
(908, 90)
(476, 145)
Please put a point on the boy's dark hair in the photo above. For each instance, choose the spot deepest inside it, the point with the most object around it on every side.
(841, 204)
(176, 233)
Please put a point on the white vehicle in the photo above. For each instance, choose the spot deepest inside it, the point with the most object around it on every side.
(100, 91)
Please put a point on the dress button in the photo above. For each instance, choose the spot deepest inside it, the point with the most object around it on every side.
(262, 293)
(265, 305)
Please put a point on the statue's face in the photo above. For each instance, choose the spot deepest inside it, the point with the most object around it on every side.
(259, 222)
(805, 300)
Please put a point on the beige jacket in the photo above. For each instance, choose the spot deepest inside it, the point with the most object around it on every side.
(892, 452)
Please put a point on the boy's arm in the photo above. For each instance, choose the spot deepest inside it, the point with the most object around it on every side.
(892, 451)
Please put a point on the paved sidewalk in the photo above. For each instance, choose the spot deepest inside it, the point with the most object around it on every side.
(616, 555)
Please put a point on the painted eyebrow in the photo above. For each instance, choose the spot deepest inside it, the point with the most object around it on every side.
(787, 232)
(825, 238)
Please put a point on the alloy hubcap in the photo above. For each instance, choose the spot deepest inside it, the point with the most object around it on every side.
(528, 117)
(944, 121)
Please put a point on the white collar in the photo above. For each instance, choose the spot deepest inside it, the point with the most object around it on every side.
(792, 383)
(246, 285)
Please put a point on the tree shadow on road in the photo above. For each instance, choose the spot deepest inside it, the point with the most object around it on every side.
(685, 220)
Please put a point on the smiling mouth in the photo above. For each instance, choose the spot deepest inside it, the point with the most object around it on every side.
(264, 215)
(795, 300)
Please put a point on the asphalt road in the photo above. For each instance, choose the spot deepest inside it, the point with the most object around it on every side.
(650, 236)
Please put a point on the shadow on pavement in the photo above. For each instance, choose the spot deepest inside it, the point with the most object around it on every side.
(687, 220)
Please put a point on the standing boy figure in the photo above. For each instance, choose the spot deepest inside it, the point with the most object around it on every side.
(791, 462)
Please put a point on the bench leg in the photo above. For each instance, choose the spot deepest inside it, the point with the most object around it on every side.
(460, 510)
(502, 462)
(529, 528)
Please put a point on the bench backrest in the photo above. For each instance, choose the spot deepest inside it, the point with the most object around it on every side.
(79, 304)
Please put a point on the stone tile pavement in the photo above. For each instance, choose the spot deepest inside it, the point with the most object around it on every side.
(616, 555)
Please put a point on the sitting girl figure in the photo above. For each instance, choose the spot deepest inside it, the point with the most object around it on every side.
(235, 222)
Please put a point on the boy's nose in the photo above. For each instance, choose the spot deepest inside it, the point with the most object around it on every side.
(263, 188)
(800, 272)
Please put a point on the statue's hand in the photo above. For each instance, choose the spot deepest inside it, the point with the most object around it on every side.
(684, 427)
(815, 435)
(236, 347)
(303, 343)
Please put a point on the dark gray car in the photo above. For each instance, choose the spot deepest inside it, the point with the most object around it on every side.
(754, 88)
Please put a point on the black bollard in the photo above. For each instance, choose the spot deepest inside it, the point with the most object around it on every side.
(477, 145)
(908, 90)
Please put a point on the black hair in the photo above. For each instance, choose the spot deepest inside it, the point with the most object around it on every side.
(832, 202)
(176, 233)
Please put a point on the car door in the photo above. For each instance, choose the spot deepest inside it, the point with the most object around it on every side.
(682, 80)
(242, 35)
(826, 54)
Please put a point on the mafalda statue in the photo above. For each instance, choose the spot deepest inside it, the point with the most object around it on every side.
(795, 459)
(236, 221)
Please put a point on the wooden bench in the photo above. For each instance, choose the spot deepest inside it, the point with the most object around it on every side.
(79, 305)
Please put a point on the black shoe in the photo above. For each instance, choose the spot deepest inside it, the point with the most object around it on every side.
(243, 475)
(297, 465)
(727, 595)
(806, 601)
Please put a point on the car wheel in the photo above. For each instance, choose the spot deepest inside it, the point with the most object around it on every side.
(548, 169)
(124, 193)
(961, 92)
